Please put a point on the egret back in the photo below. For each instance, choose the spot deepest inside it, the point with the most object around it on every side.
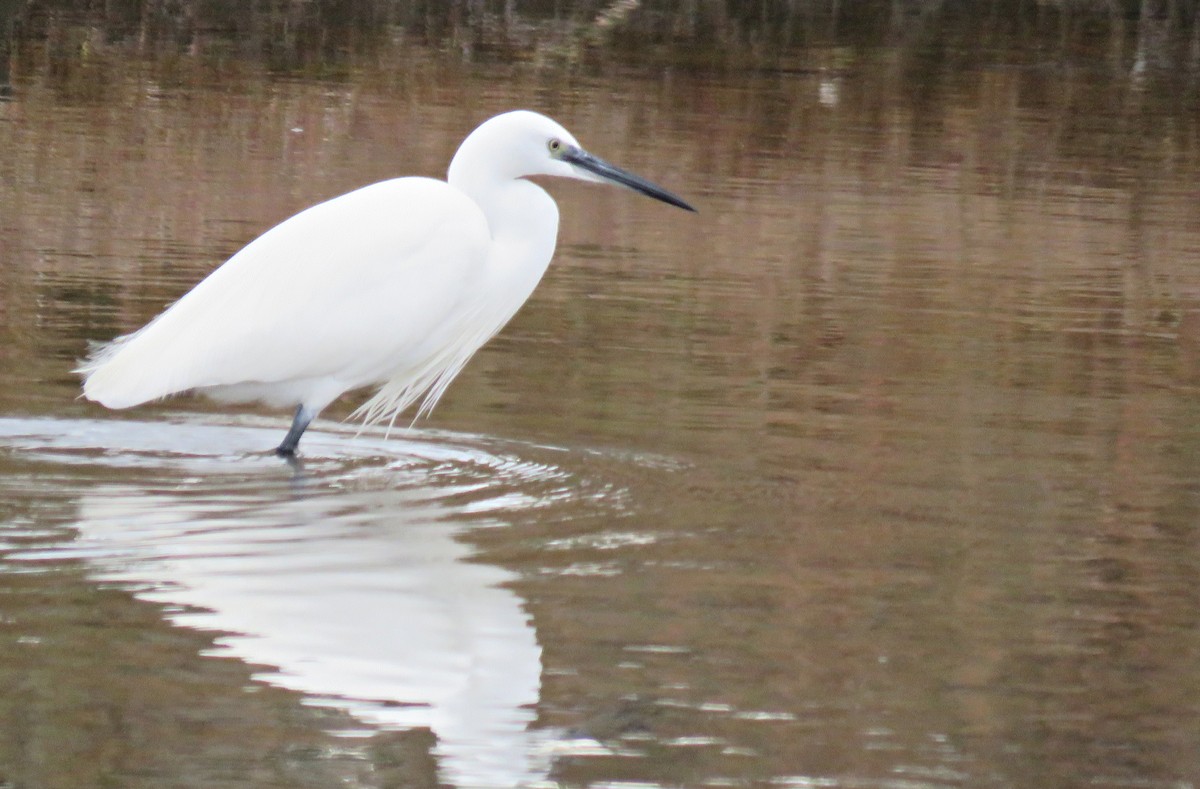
(341, 295)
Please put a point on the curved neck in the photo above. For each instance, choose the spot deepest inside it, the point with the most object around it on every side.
(516, 210)
(519, 213)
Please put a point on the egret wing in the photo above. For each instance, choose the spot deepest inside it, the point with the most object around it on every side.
(339, 293)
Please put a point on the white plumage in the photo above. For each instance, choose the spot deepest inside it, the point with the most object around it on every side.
(394, 285)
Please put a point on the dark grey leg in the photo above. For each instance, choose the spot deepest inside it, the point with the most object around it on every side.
(300, 422)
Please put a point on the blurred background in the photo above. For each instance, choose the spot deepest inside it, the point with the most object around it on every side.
(879, 471)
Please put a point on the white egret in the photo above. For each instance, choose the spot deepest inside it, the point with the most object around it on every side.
(394, 285)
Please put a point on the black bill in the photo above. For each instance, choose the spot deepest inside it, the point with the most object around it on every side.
(615, 175)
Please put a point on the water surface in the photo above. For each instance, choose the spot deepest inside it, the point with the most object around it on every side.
(881, 471)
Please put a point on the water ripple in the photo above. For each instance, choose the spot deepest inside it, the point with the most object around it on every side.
(346, 580)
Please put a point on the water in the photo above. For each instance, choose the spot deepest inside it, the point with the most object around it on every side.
(878, 472)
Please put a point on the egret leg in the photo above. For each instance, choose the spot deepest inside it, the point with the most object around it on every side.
(300, 423)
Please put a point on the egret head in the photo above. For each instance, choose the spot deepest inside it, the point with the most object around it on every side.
(521, 143)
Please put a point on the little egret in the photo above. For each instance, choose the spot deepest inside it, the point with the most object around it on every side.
(394, 285)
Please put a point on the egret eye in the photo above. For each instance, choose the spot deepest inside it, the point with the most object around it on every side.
(555, 145)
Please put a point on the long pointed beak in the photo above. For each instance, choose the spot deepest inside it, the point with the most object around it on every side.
(610, 173)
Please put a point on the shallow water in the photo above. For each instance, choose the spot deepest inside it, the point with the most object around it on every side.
(879, 472)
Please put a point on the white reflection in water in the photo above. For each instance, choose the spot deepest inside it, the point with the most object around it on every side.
(370, 605)
(362, 600)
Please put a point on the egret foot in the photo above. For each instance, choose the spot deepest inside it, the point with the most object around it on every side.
(300, 422)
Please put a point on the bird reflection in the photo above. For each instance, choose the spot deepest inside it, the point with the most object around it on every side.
(361, 600)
